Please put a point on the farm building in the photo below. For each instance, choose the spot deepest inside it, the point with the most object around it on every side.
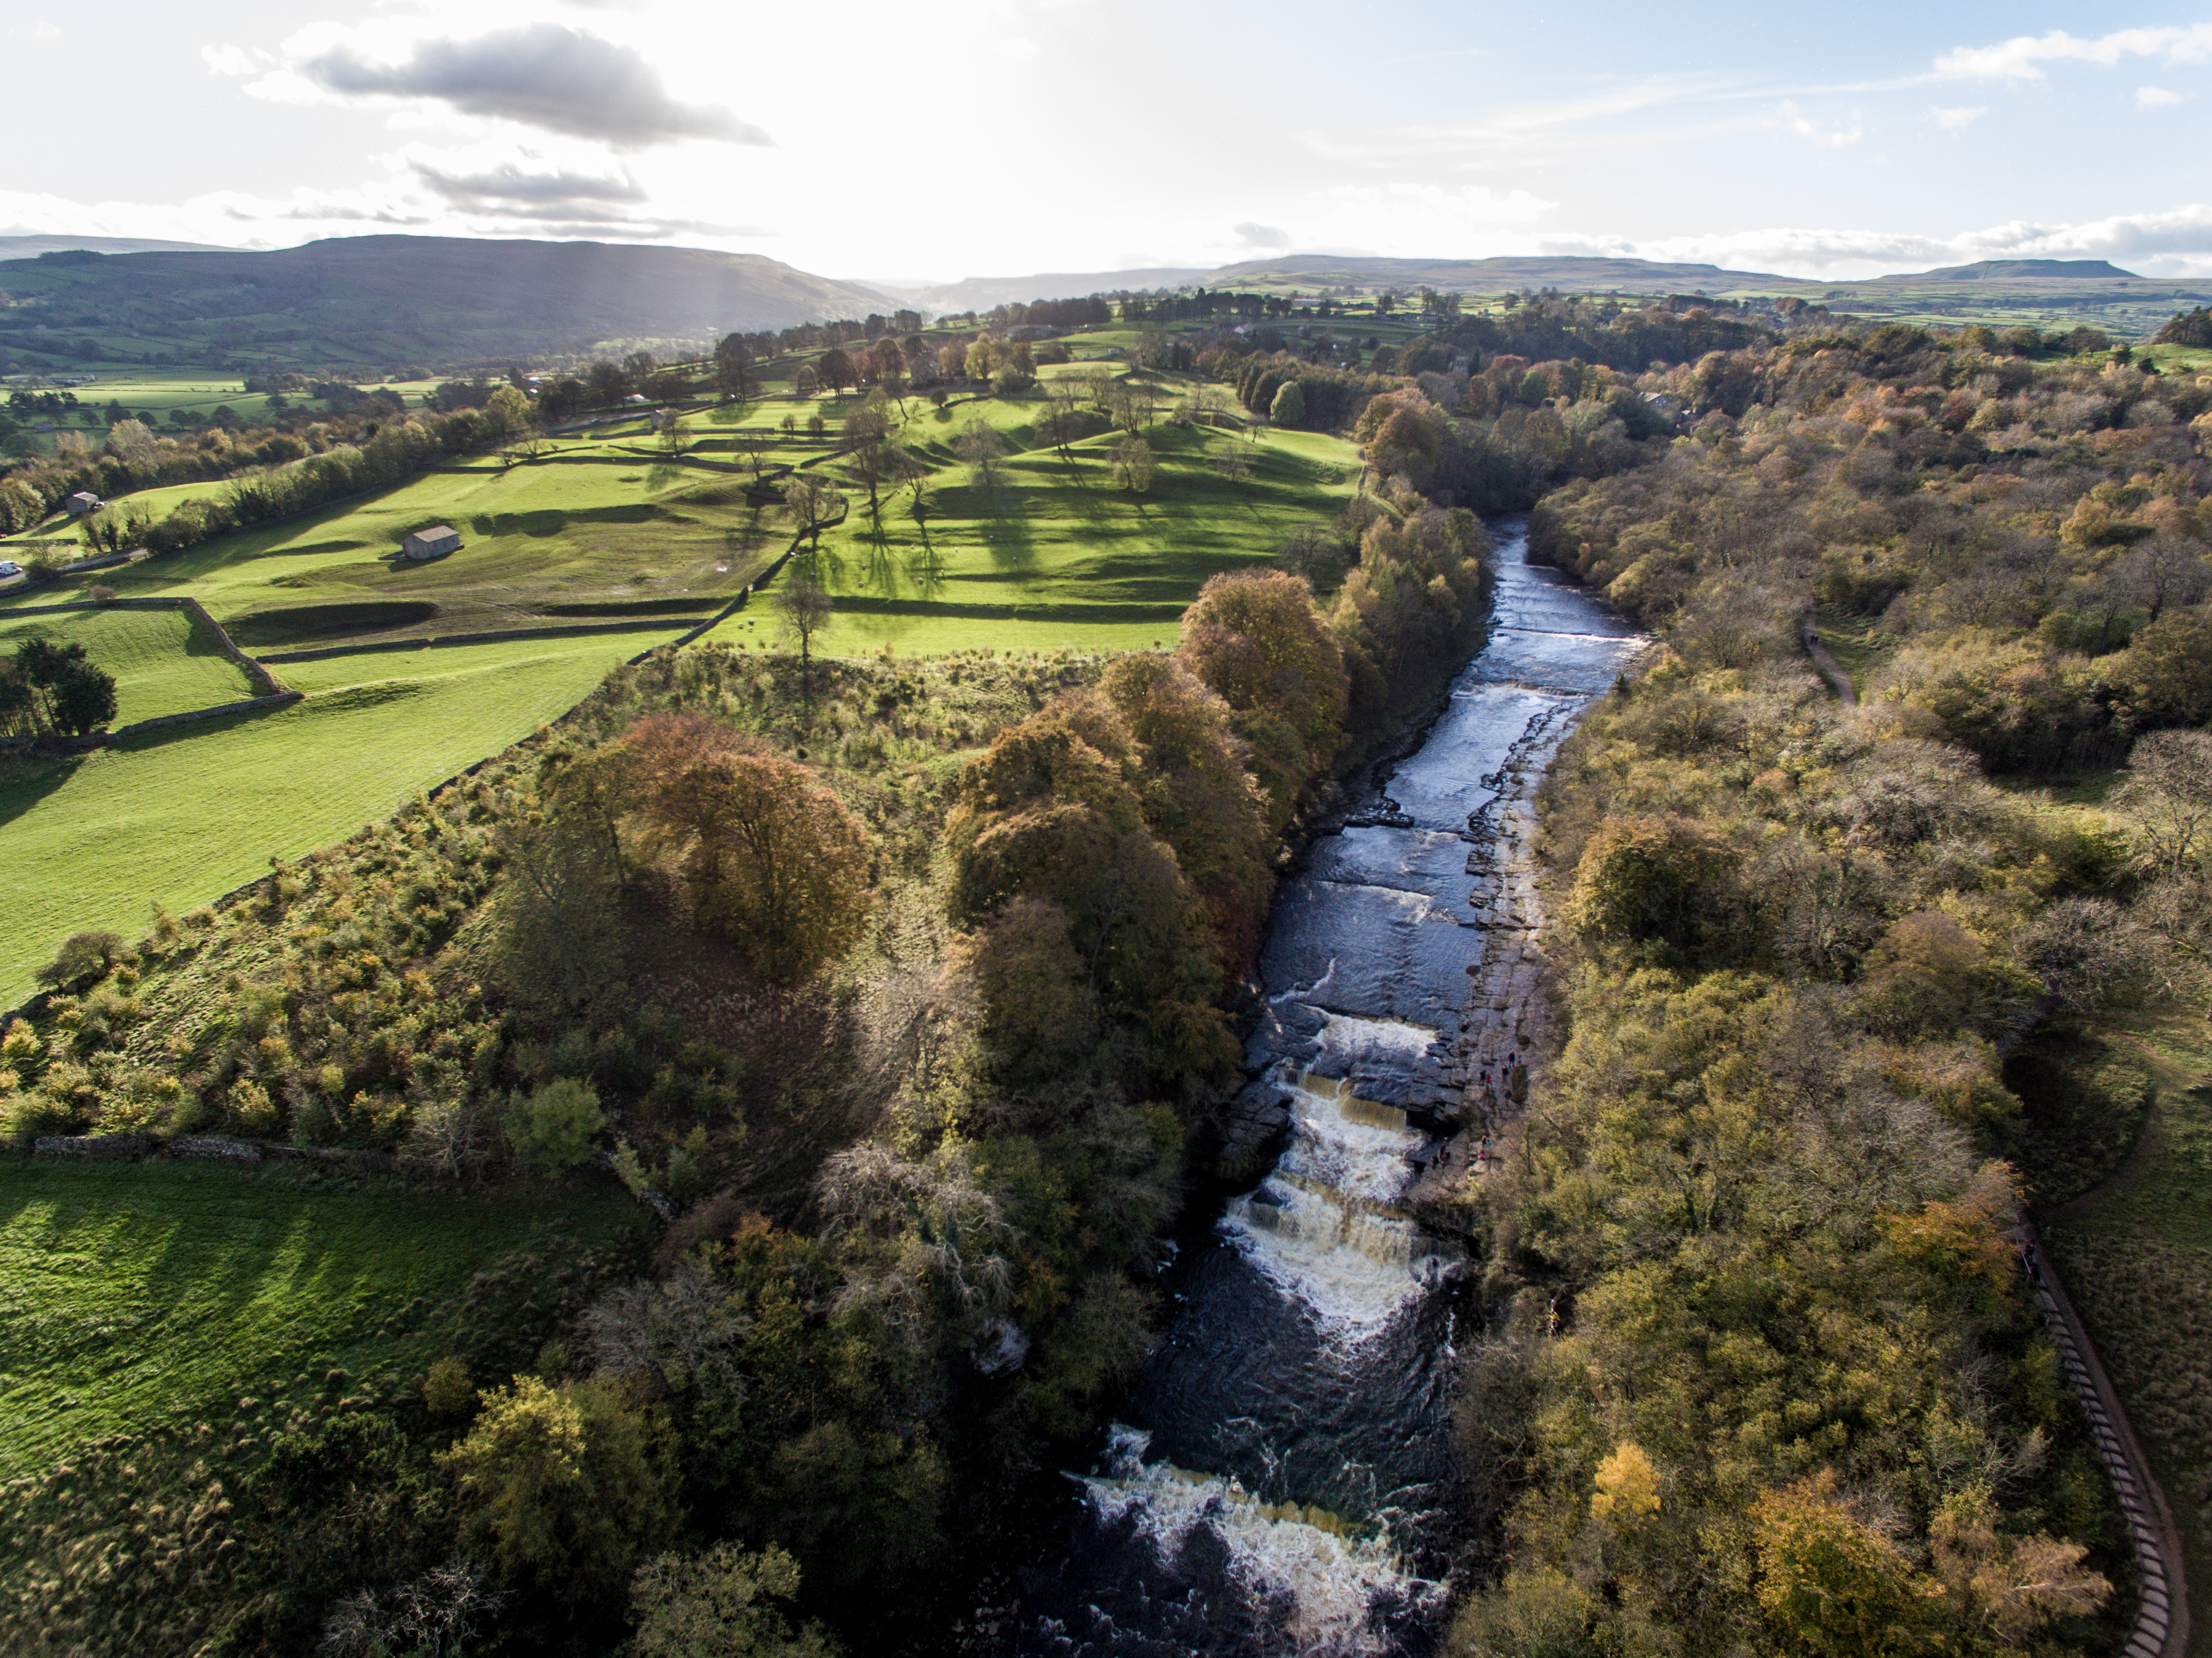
(81, 502)
(434, 543)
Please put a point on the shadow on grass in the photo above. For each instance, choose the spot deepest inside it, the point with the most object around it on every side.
(552, 521)
(25, 782)
(1014, 611)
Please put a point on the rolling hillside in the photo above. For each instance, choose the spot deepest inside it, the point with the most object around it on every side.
(382, 300)
(2042, 292)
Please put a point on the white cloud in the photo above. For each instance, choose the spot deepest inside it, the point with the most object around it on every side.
(2155, 98)
(234, 60)
(43, 30)
(2022, 57)
(1250, 234)
(1837, 138)
(539, 75)
(1953, 120)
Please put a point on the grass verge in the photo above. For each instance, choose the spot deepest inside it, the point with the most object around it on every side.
(179, 818)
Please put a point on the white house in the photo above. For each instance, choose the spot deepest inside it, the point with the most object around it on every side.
(434, 543)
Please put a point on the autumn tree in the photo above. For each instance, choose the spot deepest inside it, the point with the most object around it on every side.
(1663, 883)
(1050, 812)
(1033, 985)
(890, 370)
(1829, 1582)
(1254, 637)
(771, 859)
(1197, 794)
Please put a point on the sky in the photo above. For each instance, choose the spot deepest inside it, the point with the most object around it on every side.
(909, 143)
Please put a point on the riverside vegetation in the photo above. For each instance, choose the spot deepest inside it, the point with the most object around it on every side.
(907, 982)
(1768, 1381)
(926, 1098)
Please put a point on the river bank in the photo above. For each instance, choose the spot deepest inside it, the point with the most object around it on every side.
(1280, 1481)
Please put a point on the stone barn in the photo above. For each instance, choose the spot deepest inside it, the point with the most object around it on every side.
(81, 502)
(434, 543)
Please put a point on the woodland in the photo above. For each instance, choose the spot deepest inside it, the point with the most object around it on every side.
(908, 992)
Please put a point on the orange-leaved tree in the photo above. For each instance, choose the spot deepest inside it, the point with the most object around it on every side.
(1254, 638)
(773, 860)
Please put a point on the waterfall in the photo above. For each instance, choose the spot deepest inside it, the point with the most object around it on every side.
(1286, 1485)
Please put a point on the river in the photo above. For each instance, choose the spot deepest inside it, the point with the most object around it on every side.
(1280, 1481)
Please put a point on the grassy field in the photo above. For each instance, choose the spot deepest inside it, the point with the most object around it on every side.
(141, 1296)
(179, 818)
(606, 523)
(608, 528)
(164, 662)
(2137, 1254)
(163, 1326)
(1054, 554)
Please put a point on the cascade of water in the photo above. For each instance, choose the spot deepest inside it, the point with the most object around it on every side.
(1284, 1493)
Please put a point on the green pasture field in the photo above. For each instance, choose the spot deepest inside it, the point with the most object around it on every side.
(1056, 556)
(607, 528)
(606, 522)
(2177, 358)
(2135, 1253)
(141, 1296)
(179, 818)
(164, 1325)
(164, 661)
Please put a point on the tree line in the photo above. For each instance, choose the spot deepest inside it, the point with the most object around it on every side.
(945, 1043)
(1765, 1372)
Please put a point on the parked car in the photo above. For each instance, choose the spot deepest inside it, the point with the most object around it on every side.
(9, 568)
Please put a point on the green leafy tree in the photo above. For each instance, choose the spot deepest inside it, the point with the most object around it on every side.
(552, 1129)
(725, 1603)
(1289, 407)
(1132, 465)
(563, 1487)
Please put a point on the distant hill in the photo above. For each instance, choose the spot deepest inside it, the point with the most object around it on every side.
(1570, 274)
(29, 247)
(2022, 270)
(385, 299)
(2062, 293)
(981, 293)
(1313, 270)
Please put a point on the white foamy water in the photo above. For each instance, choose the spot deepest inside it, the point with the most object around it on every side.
(1333, 1578)
(1347, 1039)
(1323, 1226)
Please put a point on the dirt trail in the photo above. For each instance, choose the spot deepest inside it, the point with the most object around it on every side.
(1824, 659)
